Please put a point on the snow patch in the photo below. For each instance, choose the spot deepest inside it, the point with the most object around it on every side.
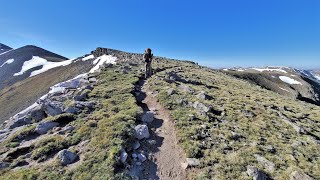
(317, 77)
(101, 60)
(284, 89)
(289, 80)
(38, 61)
(270, 69)
(88, 57)
(9, 61)
(6, 51)
(226, 69)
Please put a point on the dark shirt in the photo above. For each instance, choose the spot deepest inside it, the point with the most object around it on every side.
(147, 57)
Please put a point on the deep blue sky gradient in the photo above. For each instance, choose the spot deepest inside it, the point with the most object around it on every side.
(217, 33)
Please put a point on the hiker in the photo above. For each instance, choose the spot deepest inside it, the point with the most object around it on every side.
(147, 57)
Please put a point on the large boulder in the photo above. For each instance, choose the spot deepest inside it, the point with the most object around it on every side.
(186, 88)
(255, 173)
(270, 166)
(296, 175)
(202, 108)
(141, 131)
(4, 165)
(38, 113)
(53, 108)
(17, 122)
(44, 127)
(148, 117)
(67, 157)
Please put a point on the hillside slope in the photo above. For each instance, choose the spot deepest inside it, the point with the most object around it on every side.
(18, 64)
(227, 128)
(301, 84)
(4, 48)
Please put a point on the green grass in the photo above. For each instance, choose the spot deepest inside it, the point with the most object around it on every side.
(264, 127)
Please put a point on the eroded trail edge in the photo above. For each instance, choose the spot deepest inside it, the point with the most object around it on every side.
(165, 157)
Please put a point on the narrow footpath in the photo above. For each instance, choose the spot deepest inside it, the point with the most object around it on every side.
(165, 157)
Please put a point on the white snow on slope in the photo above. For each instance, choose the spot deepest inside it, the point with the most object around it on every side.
(270, 69)
(88, 57)
(284, 89)
(71, 83)
(317, 77)
(289, 80)
(6, 51)
(9, 61)
(101, 60)
(38, 61)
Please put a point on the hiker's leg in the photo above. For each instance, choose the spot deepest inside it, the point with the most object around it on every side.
(150, 70)
(146, 70)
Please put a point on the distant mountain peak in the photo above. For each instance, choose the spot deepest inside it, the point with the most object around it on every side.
(4, 48)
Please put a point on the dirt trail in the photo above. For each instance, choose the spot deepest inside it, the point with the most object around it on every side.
(165, 156)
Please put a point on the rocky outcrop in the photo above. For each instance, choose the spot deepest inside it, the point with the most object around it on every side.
(297, 175)
(44, 127)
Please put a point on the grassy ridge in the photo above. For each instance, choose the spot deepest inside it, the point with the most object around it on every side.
(249, 125)
(106, 129)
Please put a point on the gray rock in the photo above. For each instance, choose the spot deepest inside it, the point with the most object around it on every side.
(148, 117)
(17, 122)
(136, 145)
(82, 105)
(123, 156)
(185, 88)
(142, 157)
(171, 91)
(270, 149)
(266, 163)
(255, 173)
(53, 108)
(299, 176)
(67, 128)
(4, 165)
(67, 157)
(202, 95)
(72, 110)
(141, 131)
(202, 108)
(152, 142)
(92, 80)
(134, 155)
(81, 95)
(37, 113)
(44, 127)
(192, 162)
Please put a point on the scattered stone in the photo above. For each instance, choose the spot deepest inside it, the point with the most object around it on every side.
(17, 122)
(37, 114)
(270, 149)
(152, 142)
(67, 128)
(266, 163)
(82, 105)
(148, 117)
(123, 156)
(53, 108)
(185, 88)
(44, 127)
(67, 157)
(138, 163)
(136, 145)
(202, 95)
(141, 131)
(299, 176)
(81, 95)
(236, 136)
(72, 110)
(4, 165)
(92, 80)
(192, 162)
(255, 173)
(171, 91)
(202, 108)
(142, 157)
(191, 117)
(134, 155)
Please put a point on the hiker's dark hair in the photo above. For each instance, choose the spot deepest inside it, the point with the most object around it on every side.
(148, 50)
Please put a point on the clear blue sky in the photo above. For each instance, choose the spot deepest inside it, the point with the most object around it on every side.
(217, 33)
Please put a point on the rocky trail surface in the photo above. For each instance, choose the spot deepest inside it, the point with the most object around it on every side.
(165, 157)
